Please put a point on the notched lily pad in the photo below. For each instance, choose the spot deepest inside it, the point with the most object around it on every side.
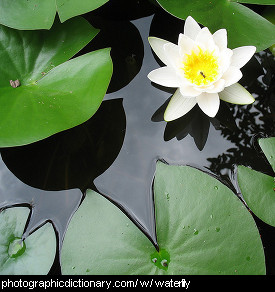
(203, 225)
(33, 255)
(202, 228)
(53, 95)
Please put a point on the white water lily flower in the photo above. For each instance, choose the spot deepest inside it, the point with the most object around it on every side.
(202, 69)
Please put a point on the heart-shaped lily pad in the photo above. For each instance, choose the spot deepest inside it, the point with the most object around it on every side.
(202, 228)
(37, 14)
(39, 94)
(258, 189)
(31, 256)
(244, 26)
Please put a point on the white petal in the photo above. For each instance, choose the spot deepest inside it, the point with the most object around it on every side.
(236, 94)
(220, 38)
(232, 75)
(191, 28)
(209, 103)
(205, 38)
(242, 55)
(188, 90)
(178, 106)
(225, 59)
(165, 76)
(217, 87)
(173, 55)
(157, 45)
(186, 44)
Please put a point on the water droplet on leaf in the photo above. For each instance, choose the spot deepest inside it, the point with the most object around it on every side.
(16, 247)
(196, 231)
(161, 259)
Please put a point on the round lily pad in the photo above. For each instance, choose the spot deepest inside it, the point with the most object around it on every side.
(202, 228)
(40, 93)
(203, 225)
(31, 256)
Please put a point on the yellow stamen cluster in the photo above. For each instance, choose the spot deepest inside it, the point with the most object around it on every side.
(201, 67)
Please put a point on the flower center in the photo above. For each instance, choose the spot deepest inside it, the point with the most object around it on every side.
(201, 67)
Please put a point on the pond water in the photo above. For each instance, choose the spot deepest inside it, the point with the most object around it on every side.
(115, 152)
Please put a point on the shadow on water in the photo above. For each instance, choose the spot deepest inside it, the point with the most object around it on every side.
(116, 150)
(73, 158)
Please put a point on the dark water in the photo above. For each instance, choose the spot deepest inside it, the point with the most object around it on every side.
(115, 152)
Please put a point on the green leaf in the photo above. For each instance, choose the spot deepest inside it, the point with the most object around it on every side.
(37, 14)
(261, 2)
(27, 14)
(70, 8)
(268, 147)
(258, 189)
(269, 14)
(202, 228)
(40, 51)
(34, 255)
(203, 225)
(52, 96)
(244, 27)
(258, 192)
(101, 233)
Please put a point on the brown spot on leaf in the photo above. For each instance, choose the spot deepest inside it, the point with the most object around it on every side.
(15, 83)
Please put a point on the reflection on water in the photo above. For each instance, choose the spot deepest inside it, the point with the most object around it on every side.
(252, 122)
(115, 151)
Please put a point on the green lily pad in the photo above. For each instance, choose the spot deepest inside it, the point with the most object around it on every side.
(244, 26)
(109, 240)
(202, 228)
(268, 147)
(269, 14)
(262, 2)
(37, 14)
(258, 192)
(258, 189)
(31, 256)
(50, 96)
